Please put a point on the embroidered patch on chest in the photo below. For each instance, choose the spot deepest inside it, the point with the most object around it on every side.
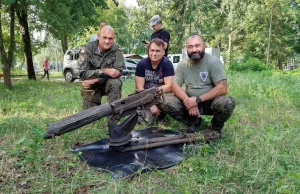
(203, 75)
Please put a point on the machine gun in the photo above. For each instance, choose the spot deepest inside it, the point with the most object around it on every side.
(119, 134)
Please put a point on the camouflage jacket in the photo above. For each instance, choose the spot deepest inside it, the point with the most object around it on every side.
(91, 60)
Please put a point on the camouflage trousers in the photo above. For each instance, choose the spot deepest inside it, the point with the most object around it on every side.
(147, 118)
(112, 88)
(221, 108)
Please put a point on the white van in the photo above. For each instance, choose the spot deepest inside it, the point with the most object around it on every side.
(70, 70)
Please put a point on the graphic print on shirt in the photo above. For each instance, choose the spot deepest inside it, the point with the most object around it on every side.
(203, 75)
(153, 78)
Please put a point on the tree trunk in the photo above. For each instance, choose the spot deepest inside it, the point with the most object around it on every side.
(12, 46)
(22, 16)
(4, 60)
(229, 48)
(280, 64)
(64, 43)
(269, 40)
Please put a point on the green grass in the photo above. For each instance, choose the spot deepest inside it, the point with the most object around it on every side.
(17, 73)
(259, 151)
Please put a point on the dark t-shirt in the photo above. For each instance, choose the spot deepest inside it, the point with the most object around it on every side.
(163, 35)
(154, 77)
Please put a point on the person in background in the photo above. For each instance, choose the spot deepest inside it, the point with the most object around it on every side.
(95, 36)
(159, 32)
(46, 68)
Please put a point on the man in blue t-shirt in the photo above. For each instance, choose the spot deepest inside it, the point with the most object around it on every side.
(154, 71)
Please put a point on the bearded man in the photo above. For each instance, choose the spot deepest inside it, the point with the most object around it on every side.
(205, 89)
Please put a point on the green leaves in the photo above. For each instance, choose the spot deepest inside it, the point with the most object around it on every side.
(243, 21)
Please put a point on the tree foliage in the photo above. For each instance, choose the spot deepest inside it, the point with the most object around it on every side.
(239, 27)
(268, 30)
(65, 18)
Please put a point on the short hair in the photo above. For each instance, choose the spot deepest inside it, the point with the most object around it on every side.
(157, 42)
(196, 35)
(102, 22)
(109, 27)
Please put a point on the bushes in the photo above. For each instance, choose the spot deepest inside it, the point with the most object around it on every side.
(252, 64)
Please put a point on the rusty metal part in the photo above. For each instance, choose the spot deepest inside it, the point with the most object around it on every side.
(162, 141)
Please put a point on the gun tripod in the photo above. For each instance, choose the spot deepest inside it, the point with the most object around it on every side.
(120, 137)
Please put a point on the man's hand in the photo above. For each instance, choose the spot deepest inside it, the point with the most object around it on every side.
(147, 44)
(194, 112)
(111, 72)
(190, 102)
(87, 84)
(154, 110)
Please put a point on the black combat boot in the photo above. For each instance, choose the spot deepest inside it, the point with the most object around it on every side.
(216, 127)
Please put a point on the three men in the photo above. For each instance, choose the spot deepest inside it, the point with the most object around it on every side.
(206, 87)
(154, 71)
(203, 75)
(101, 64)
(159, 32)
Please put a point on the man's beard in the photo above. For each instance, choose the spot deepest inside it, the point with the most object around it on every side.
(196, 56)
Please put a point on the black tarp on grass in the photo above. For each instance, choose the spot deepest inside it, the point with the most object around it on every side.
(126, 164)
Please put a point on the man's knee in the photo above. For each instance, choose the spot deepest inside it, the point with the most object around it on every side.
(223, 104)
(91, 95)
(113, 84)
(146, 117)
(171, 103)
(90, 98)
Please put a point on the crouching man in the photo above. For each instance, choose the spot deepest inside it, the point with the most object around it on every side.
(154, 71)
(101, 64)
(205, 89)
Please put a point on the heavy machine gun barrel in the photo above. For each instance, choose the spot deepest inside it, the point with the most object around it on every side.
(118, 109)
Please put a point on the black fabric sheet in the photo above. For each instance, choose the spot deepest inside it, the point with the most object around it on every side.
(126, 164)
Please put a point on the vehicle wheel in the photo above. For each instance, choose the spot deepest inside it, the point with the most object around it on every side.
(69, 76)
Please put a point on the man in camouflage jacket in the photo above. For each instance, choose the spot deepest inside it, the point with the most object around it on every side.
(100, 65)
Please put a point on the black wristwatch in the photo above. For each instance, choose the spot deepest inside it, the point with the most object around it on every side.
(198, 100)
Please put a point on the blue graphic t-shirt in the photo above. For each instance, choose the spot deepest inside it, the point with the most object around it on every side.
(154, 77)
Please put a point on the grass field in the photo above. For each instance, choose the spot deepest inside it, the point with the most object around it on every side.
(23, 74)
(259, 151)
